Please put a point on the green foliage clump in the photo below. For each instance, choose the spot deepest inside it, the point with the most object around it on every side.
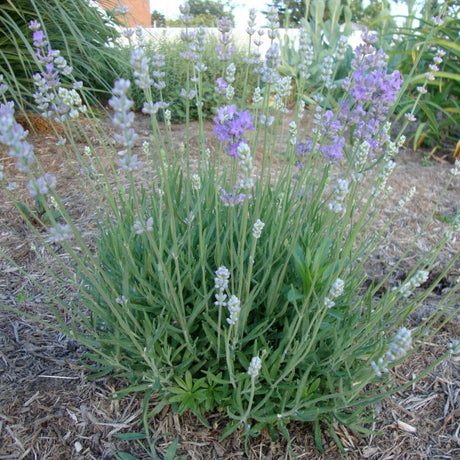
(221, 287)
(326, 33)
(74, 27)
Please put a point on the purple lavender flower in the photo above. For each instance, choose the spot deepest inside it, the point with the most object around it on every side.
(186, 17)
(306, 52)
(121, 9)
(333, 152)
(42, 185)
(141, 66)
(13, 135)
(151, 108)
(231, 126)
(59, 233)
(130, 163)
(231, 199)
(51, 98)
(198, 47)
(371, 92)
(250, 30)
(222, 86)
(303, 149)
(123, 118)
(225, 49)
(270, 66)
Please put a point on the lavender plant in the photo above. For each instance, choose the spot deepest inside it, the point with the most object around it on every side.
(220, 287)
(320, 43)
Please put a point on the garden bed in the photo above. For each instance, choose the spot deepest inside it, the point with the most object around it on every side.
(50, 408)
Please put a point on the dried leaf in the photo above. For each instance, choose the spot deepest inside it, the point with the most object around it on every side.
(406, 427)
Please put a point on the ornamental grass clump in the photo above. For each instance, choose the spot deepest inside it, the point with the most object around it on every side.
(222, 287)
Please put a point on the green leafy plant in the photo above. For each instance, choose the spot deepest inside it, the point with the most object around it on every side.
(39, 214)
(322, 38)
(223, 288)
(438, 108)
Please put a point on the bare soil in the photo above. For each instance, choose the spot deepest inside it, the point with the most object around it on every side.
(51, 409)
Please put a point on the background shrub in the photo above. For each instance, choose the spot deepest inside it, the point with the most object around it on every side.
(438, 110)
(328, 24)
(178, 70)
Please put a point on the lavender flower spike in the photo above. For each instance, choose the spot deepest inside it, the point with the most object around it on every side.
(59, 233)
(231, 199)
(51, 98)
(123, 118)
(225, 48)
(397, 349)
(12, 135)
(254, 367)
(42, 185)
(231, 126)
(234, 308)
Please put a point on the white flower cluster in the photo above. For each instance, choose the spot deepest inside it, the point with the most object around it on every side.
(233, 304)
(455, 171)
(328, 68)
(335, 291)
(381, 182)
(361, 155)
(410, 117)
(3, 87)
(283, 89)
(403, 201)
(122, 301)
(293, 132)
(196, 182)
(301, 111)
(230, 78)
(254, 367)
(140, 227)
(398, 348)
(257, 228)
(434, 67)
(306, 53)
(340, 193)
(245, 158)
(234, 308)
(266, 121)
(246, 165)
(419, 278)
(221, 279)
(257, 97)
(342, 46)
(71, 101)
(167, 117)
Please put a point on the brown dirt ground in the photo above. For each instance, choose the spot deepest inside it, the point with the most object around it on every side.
(50, 409)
